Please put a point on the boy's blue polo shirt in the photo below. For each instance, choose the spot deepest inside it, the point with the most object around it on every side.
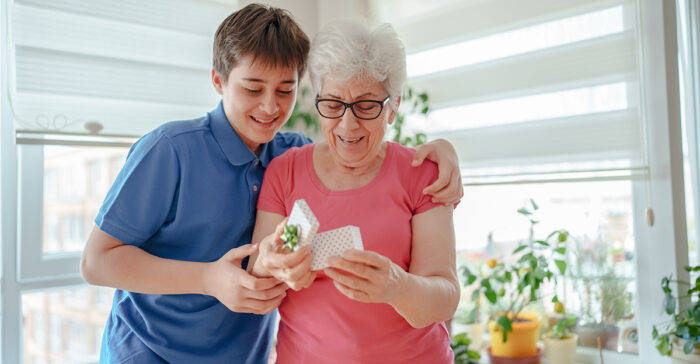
(187, 191)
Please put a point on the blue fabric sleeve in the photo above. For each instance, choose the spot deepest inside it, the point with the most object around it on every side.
(143, 195)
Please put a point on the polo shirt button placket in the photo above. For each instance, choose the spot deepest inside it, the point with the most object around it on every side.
(255, 188)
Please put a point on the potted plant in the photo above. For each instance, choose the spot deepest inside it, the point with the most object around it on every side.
(460, 344)
(680, 337)
(605, 298)
(511, 287)
(560, 342)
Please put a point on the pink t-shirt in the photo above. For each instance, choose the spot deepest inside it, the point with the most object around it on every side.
(321, 325)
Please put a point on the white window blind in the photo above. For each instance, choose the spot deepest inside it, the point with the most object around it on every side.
(528, 87)
(129, 65)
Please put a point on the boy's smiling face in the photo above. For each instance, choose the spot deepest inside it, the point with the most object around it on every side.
(258, 99)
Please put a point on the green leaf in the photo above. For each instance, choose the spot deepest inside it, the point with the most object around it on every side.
(519, 249)
(475, 295)
(561, 265)
(524, 211)
(525, 257)
(688, 347)
(542, 242)
(490, 295)
(506, 324)
(654, 332)
(534, 205)
(423, 96)
(509, 276)
(473, 354)
(669, 304)
(561, 250)
(555, 299)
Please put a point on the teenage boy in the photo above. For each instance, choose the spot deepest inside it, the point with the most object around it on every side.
(172, 233)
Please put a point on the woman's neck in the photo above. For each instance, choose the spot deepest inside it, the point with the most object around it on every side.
(336, 175)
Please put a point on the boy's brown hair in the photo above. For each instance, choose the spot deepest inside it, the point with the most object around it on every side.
(266, 33)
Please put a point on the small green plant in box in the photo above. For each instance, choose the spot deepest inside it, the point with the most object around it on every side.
(290, 236)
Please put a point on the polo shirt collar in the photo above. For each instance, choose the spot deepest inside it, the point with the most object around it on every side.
(229, 141)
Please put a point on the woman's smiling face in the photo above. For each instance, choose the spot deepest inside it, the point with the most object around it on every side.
(355, 142)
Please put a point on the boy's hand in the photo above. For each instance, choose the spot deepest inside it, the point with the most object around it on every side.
(238, 290)
(447, 189)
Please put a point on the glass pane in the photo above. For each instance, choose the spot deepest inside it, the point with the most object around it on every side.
(599, 286)
(65, 326)
(76, 180)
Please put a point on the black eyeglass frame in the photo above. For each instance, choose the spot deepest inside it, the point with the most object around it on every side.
(351, 106)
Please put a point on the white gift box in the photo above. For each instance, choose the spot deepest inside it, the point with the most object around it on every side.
(327, 244)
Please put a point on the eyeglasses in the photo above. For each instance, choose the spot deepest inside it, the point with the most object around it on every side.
(363, 109)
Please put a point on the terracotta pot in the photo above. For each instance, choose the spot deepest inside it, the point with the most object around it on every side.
(530, 359)
(521, 342)
(560, 351)
(679, 357)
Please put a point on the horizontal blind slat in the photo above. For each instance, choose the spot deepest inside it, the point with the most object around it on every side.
(603, 60)
(468, 20)
(602, 136)
(74, 33)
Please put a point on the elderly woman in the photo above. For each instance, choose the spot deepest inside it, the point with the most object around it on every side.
(388, 303)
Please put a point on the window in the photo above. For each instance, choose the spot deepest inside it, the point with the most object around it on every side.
(125, 67)
(551, 100)
(75, 324)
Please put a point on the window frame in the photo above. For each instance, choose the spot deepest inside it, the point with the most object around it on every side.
(25, 268)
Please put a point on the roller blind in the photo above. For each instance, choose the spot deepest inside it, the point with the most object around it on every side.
(129, 65)
(521, 86)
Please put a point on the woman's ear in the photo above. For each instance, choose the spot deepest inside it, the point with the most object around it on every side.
(218, 83)
(393, 111)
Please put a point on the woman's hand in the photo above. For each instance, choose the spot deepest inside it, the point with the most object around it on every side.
(373, 277)
(447, 189)
(293, 268)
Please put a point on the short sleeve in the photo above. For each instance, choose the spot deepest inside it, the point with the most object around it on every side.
(273, 190)
(423, 176)
(141, 200)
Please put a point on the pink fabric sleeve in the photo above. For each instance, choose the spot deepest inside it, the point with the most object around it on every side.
(272, 192)
(421, 177)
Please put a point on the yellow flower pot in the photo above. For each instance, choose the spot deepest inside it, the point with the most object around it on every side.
(522, 341)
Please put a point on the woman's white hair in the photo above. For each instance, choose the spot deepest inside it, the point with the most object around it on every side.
(350, 48)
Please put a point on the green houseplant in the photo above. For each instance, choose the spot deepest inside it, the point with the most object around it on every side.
(460, 344)
(511, 287)
(604, 294)
(560, 342)
(683, 329)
